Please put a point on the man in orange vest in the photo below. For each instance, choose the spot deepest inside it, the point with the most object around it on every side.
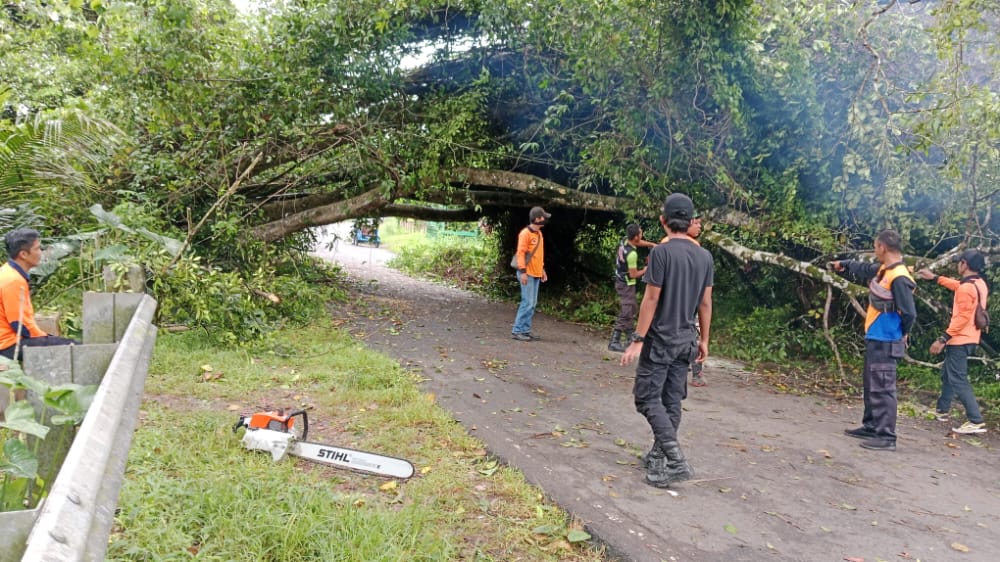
(530, 261)
(17, 317)
(891, 313)
(961, 338)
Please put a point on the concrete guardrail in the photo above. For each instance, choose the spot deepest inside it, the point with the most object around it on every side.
(74, 521)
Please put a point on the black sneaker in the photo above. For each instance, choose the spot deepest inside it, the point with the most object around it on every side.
(521, 337)
(533, 336)
(879, 444)
(861, 433)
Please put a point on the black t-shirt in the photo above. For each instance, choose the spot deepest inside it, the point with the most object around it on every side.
(682, 270)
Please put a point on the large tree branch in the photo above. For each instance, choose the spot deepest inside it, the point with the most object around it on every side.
(368, 203)
(806, 269)
(509, 189)
(549, 192)
(430, 213)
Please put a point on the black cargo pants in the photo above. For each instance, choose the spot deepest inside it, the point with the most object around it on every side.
(661, 384)
(880, 386)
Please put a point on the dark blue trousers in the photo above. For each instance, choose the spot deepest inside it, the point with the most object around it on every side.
(42, 341)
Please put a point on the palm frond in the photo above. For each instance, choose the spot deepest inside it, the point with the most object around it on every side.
(61, 149)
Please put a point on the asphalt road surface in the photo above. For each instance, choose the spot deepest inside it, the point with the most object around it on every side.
(776, 478)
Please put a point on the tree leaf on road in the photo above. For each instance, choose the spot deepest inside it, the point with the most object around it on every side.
(959, 547)
(730, 529)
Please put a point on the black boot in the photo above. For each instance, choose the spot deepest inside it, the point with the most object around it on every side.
(654, 456)
(614, 344)
(677, 466)
(671, 467)
(655, 462)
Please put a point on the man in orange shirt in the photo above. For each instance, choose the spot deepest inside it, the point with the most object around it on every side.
(530, 261)
(17, 317)
(961, 338)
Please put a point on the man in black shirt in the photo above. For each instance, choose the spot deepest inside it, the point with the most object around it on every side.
(666, 341)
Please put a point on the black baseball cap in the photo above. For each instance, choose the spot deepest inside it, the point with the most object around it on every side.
(537, 212)
(972, 258)
(678, 206)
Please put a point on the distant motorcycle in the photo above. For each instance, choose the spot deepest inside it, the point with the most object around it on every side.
(365, 236)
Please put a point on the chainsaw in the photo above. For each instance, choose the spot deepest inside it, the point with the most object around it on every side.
(281, 434)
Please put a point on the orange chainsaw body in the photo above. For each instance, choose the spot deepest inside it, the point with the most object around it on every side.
(275, 420)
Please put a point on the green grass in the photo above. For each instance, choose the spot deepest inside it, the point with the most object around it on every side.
(191, 491)
(464, 262)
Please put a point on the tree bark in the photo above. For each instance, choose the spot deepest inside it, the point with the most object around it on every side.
(509, 189)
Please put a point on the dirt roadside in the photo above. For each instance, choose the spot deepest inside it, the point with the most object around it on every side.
(776, 479)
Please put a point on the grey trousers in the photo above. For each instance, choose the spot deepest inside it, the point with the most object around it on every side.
(628, 307)
(880, 387)
(955, 381)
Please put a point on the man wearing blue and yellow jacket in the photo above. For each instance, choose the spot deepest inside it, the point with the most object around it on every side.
(888, 320)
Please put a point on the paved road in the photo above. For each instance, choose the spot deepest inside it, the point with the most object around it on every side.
(776, 478)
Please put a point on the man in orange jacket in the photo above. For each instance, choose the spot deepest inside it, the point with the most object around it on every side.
(961, 338)
(17, 316)
(529, 259)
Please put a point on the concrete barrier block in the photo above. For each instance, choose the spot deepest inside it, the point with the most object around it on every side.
(80, 364)
(49, 323)
(106, 315)
(98, 318)
(125, 305)
(75, 522)
(133, 280)
(16, 526)
(57, 364)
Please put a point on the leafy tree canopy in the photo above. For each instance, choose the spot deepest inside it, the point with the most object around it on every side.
(803, 127)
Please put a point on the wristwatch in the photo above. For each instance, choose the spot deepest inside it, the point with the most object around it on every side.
(636, 338)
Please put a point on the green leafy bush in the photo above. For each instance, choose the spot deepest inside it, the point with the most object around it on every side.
(773, 335)
(22, 484)
(239, 295)
(465, 262)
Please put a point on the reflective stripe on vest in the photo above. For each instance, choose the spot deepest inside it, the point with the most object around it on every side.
(880, 293)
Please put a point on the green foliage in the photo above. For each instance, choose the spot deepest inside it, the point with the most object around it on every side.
(22, 485)
(465, 262)
(53, 162)
(773, 335)
(272, 287)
